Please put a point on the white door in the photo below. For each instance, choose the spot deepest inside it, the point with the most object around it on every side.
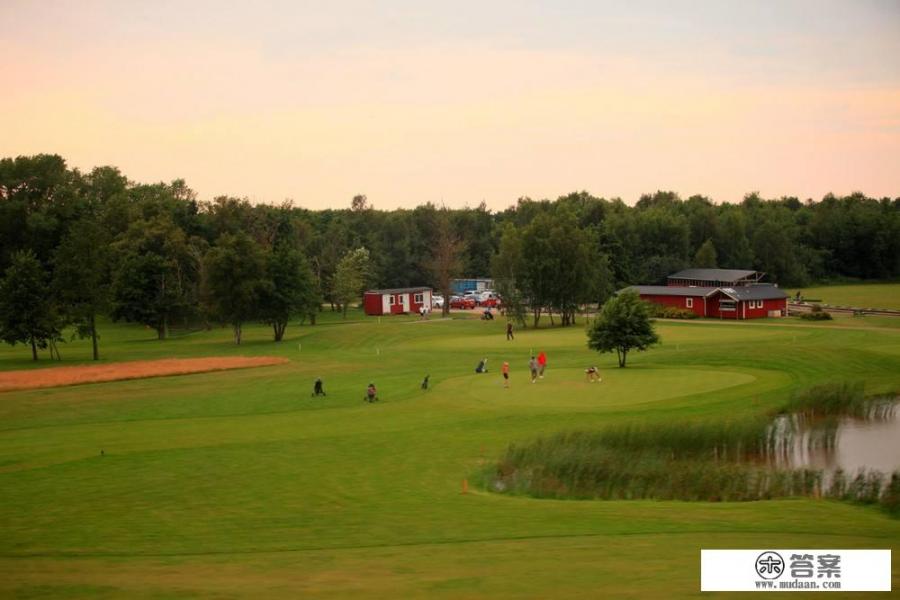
(405, 302)
(385, 304)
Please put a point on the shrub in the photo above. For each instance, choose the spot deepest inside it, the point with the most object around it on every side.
(816, 314)
(660, 311)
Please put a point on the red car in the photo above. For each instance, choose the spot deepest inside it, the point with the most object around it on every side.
(490, 302)
(460, 302)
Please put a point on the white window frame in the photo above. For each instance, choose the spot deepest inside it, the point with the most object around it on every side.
(420, 298)
(393, 300)
(729, 306)
(689, 302)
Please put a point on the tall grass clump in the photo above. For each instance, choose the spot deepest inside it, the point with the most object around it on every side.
(890, 500)
(836, 398)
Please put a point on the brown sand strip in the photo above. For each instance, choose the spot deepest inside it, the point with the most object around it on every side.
(139, 369)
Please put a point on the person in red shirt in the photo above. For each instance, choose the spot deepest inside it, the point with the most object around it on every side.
(542, 364)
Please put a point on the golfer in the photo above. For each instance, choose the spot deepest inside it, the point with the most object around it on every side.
(533, 367)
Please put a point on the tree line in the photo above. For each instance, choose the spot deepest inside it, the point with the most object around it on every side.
(76, 245)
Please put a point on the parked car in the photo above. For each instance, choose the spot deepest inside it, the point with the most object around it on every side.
(466, 302)
(489, 299)
(437, 301)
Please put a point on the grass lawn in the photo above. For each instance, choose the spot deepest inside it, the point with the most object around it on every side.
(239, 484)
(860, 295)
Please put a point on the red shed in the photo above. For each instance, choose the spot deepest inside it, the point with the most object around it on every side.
(742, 302)
(397, 301)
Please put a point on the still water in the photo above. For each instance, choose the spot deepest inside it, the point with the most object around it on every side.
(848, 443)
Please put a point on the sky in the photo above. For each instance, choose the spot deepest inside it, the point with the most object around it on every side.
(461, 102)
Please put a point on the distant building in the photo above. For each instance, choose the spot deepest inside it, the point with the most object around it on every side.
(472, 284)
(714, 277)
(397, 301)
(718, 293)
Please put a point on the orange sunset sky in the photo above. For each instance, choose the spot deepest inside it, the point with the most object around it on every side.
(459, 102)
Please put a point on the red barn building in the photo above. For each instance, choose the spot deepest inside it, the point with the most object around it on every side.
(397, 301)
(718, 293)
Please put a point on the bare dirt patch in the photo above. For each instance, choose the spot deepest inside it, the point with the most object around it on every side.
(139, 369)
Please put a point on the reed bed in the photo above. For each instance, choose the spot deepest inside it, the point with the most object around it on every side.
(708, 461)
(835, 398)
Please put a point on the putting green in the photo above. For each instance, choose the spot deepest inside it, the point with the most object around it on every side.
(568, 389)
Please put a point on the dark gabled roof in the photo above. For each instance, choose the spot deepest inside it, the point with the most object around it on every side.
(755, 292)
(671, 290)
(713, 274)
(400, 290)
(761, 291)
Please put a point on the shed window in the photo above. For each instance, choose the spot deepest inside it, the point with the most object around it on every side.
(392, 299)
(420, 298)
(728, 305)
(689, 302)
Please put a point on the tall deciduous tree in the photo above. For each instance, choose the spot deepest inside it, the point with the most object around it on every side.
(623, 325)
(506, 268)
(706, 257)
(27, 314)
(290, 290)
(539, 266)
(81, 277)
(350, 277)
(446, 257)
(236, 276)
(152, 279)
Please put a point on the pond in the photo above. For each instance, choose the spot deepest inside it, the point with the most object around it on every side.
(849, 443)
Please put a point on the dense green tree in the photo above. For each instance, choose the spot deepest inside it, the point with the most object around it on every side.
(578, 275)
(507, 269)
(81, 277)
(290, 289)
(154, 274)
(732, 244)
(36, 203)
(623, 325)
(474, 227)
(27, 314)
(236, 276)
(539, 265)
(706, 257)
(350, 277)
(775, 253)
